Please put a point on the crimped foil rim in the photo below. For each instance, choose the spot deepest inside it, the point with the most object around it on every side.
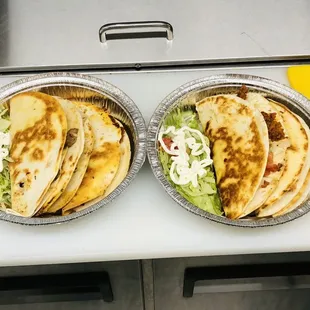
(103, 87)
(300, 102)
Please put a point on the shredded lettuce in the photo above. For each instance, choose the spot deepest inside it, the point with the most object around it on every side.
(205, 195)
(180, 118)
(5, 186)
(5, 183)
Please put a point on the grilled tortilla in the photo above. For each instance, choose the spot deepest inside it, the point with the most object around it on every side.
(298, 160)
(240, 146)
(124, 162)
(38, 132)
(80, 170)
(74, 146)
(105, 158)
(278, 144)
(298, 199)
(119, 177)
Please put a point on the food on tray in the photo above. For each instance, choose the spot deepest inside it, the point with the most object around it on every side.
(186, 158)
(124, 161)
(278, 144)
(5, 184)
(239, 138)
(105, 159)
(121, 173)
(297, 166)
(58, 155)
(38, 135)
(79, 172)
(258, 149)
(74, 146)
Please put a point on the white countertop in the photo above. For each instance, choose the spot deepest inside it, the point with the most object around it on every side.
(144, 222)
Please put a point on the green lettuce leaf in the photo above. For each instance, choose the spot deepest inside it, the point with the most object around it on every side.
(5, 183)
(205, 195)
(180, 118)
(5, 186)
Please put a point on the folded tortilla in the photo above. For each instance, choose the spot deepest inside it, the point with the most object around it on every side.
(298, 199)
(296, 169)
(240, 146)
(38, 132)
(74, 147)
(77, 177)
(124, 162)
(119, 177)
(278, 144)
(105, 158)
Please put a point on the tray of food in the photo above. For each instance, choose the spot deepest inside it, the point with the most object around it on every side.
(234, 149)
(70, 144)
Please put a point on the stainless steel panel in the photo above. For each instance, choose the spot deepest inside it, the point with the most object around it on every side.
(169, 276)
(125, 280)
(252, 284)
(65, 33)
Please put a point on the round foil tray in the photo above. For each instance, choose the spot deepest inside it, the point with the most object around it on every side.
(196, 90)
(101, 93)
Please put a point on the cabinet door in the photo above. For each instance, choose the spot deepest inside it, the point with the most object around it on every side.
(106, 286)
(251, 282)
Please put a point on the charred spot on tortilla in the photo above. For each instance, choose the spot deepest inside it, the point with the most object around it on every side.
(72, 135)
(292, 148)
(243, 91)
(37, 154)
(25, 149)
(35, 132)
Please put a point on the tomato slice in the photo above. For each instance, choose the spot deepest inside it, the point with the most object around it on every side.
(271, 166)
(168, 142)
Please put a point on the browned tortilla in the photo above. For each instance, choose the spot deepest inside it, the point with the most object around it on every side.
(38, 131)
(239, 144)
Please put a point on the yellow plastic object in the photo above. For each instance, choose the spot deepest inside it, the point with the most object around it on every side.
(299, 79)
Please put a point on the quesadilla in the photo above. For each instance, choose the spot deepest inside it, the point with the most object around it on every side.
(278, 144)
(105, 158)
(38, 132)
(298, 199)
(77, 177)
(119, 177)
(74, 147)
(297, 167)
(124, 162)
(239, 143)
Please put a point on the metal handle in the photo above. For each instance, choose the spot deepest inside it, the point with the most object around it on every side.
(167, 32)
(246, 278)
(55, 288)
